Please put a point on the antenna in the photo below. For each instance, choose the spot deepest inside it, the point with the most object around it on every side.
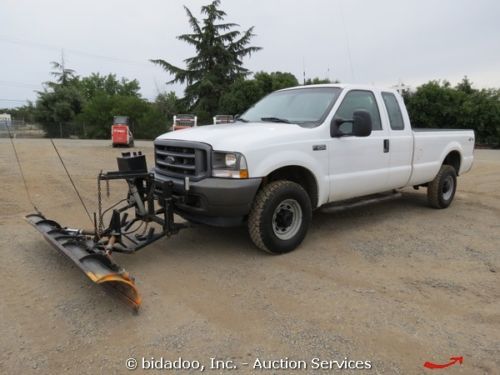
(62, 60)
(156, 86)
(347, 41)
(304, 69)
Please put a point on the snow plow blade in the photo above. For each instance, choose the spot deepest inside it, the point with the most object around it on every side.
(143, 217)
(99, 267)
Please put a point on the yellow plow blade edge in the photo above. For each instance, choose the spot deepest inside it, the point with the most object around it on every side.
(98, 267)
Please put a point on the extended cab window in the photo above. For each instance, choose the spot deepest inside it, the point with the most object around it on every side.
(394, 111)
(358, 100)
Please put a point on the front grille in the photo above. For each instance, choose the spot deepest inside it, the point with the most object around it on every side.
(181, 159)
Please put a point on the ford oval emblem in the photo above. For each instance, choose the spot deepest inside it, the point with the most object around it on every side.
(170, 159)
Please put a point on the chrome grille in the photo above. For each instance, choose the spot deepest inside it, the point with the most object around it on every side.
(181, 159)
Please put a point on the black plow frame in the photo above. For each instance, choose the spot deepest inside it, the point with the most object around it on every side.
(152, 203)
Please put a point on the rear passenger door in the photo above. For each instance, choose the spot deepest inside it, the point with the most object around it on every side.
(359, 165)
(400, 142)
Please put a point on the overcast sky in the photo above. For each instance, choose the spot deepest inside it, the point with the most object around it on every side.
(388, 41)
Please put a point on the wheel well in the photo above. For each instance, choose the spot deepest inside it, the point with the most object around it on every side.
(299, 175)
(453, 159)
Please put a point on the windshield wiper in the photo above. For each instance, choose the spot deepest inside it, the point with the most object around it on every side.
(275, 119)
(240, 119)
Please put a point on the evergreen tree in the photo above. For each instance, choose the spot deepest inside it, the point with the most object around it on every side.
(218, 62)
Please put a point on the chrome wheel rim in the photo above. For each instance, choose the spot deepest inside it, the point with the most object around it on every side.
(287, 219)
(448, 187)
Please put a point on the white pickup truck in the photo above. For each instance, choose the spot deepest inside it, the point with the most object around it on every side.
(302, 148)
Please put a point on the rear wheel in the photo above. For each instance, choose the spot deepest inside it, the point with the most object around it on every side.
(280, 217)
(441, 190)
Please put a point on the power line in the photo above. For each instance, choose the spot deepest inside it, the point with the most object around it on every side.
(20, 84)
(7, 39)
(71, 180)
(14, 100)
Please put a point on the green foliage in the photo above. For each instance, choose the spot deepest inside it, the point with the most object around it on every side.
(243, 93)
(218, 62)
(96, 84)
(439, 105)
(240, 96)
(85, 106)
(169, 105)
(318, 81)
(275, 81)
(56, 107)
(146, 122)
(64, 76)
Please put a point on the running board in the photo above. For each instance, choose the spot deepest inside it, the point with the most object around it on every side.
(360, 202)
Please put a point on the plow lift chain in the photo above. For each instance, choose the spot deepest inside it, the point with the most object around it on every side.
(152, 204)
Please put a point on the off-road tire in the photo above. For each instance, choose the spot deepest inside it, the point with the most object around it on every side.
(437, 194)
(260, 220)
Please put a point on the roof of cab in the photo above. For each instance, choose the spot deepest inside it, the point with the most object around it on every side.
(350, 86)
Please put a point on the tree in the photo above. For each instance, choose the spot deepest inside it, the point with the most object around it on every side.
(96, 84)
(437, 104)
(146, 122)
(270, 82)
(57, 107)
(85, 106)
(240, 96)
(318, 81)
(434, 105)
(63, 75)
(169, 104)
(218, 62)
(243, 93)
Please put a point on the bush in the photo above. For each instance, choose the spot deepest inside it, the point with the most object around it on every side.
(439, 105)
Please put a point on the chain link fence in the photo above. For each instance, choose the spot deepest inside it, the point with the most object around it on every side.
(23, 129)
(20, 129)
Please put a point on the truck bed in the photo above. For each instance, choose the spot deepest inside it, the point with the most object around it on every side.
(431, 146)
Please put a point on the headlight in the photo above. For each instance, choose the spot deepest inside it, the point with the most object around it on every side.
(231, 160)
(229, 165)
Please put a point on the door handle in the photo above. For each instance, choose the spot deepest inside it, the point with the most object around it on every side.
(386, 145)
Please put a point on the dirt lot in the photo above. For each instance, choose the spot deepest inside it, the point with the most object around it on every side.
(395, 283)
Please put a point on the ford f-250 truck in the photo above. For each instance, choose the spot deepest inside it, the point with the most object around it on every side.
(301, 148)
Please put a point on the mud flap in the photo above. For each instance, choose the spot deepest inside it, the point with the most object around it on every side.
(81, 249)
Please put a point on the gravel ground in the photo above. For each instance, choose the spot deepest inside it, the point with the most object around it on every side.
(394, 283)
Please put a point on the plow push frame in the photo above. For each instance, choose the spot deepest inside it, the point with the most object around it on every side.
(91, 250)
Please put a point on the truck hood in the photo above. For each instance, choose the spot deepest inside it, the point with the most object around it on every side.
(239, 136)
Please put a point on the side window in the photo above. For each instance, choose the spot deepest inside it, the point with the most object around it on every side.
(354, 101)
(394, 111)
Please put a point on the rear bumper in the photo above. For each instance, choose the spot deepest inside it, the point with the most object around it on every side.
(214, 201)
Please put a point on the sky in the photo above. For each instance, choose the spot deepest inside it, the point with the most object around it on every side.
(383, 42)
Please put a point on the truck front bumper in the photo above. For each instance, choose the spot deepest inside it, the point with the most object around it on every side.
(214, 201)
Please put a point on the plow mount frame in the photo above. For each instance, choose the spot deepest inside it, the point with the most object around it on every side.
(152, 202)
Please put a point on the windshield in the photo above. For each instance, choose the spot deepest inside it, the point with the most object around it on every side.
(308, 106)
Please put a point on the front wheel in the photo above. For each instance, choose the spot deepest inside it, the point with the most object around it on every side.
(280, 217)
(441, 190)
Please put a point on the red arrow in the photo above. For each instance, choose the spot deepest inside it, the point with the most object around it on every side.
(453, 361)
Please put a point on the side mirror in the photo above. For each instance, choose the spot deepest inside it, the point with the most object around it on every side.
(361, 125)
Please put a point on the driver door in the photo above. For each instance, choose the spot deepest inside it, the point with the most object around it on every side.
(359, 165)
